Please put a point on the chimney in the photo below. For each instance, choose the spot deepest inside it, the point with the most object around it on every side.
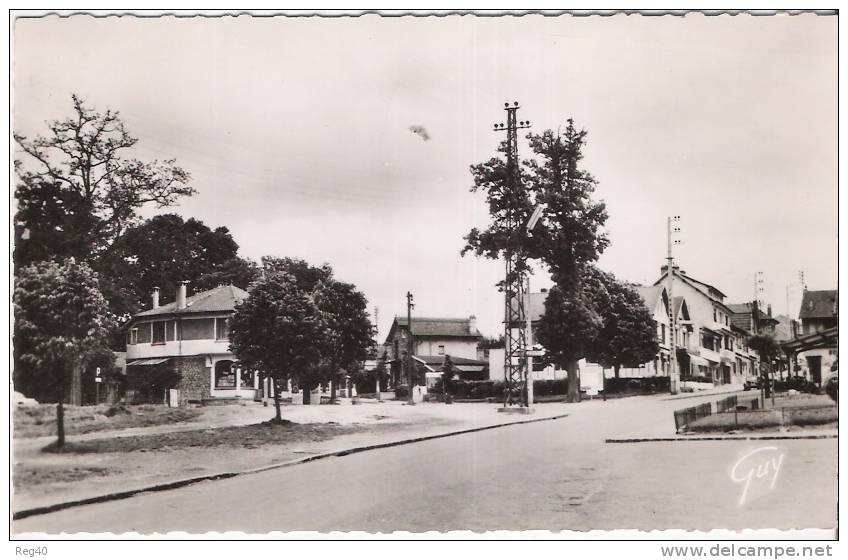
(769, 310)
(156, 297)
(181, 295)
(472, 324)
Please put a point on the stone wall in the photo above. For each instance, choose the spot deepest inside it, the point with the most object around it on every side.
(195, 382)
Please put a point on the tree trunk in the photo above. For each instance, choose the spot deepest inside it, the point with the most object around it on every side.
(278, 416)
(306, 394)
(76, 385)
(334, 380)
(573, 382)
(616, 368)
(60, 424)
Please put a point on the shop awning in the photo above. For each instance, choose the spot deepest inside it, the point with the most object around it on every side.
(148, 362)
(697, 360)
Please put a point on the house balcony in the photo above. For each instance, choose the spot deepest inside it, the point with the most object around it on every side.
(727, 355)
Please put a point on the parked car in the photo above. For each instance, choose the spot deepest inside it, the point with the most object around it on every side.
(752, 383)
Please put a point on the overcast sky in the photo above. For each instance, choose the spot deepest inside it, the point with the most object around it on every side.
(297, 135)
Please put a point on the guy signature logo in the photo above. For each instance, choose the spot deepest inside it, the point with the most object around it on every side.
(757, 471)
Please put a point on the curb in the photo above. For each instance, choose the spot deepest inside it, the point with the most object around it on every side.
(693, 395)
(23, 514)
(720, 438)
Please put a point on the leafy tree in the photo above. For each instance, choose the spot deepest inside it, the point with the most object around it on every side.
(162, 252)
(767, 347)
(569, 233)
(448, 373)
(628, 334)
(567, 237)
(79, 188)
(348, 330)
(61, 323)
(567, 330)
(279, 331)
(487, 343)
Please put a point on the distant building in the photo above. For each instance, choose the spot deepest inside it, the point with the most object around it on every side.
(819, 314)
(187, 340)
(432, 340)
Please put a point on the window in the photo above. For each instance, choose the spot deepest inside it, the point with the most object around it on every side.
(143, 333)
(133, 336)
(158, 332)
(662, 336)
(170, 330)
(222, 329)
(441, 349)
(225, 375)
(197, 329)
(715, 318)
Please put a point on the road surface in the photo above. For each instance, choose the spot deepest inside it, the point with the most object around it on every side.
(556, 475)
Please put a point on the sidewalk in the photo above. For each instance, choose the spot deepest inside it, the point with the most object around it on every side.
(55, 479)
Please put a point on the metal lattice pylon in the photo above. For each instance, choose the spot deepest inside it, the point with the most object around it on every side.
(516, 362)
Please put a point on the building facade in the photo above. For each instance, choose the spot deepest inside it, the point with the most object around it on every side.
(432, 340)
(819, 313)
(184, 345)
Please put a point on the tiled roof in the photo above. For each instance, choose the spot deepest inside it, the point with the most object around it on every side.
(431, 326)
(819, 303)
(741, 316)
(222, 298)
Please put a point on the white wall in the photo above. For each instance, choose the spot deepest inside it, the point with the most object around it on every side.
(453, 347)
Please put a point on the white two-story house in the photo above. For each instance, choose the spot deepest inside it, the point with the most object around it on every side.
(187, 340)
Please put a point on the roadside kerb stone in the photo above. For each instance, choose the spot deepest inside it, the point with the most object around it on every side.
(224, 475)
(723, 438)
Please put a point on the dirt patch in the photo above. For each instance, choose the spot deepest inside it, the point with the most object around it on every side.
(247, 437)
(51, 474)
(40, 420)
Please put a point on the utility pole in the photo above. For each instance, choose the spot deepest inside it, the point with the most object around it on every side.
(673, 374)
(516, 361)
(409, 346)
(377, 347)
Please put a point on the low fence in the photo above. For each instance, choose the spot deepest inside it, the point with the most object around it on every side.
(685, 416)
(730, 414)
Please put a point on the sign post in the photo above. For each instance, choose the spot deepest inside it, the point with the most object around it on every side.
(97, 381)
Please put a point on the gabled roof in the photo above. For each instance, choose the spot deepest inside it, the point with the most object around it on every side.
(438, 327)
(651, 295)
(697, 284)
(742, 313)
(818, 304)
(222, 298)
(679, 302)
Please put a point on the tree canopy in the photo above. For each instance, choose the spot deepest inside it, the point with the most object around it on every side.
(278, 330)
(61, 324)
(627, 335)
(300, 323)
(162, 252)
(569, 233)
(79, 186)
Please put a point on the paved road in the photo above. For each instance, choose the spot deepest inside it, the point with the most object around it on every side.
(556, 475)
